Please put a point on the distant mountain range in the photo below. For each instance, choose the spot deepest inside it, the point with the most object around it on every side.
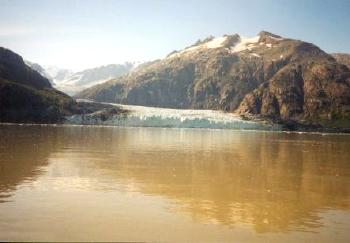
(267, 76)
(57, 74)
(72, 82)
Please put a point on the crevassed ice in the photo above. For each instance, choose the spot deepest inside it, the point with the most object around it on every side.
(141, 116)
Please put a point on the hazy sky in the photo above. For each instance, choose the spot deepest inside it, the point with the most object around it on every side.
(82, 34)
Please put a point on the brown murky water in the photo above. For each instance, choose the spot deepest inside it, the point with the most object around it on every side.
(146, 184)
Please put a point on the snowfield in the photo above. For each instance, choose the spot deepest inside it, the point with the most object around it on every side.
(244, 44)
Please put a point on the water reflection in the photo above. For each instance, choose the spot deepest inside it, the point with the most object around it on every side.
(23, 156)
(274, 182)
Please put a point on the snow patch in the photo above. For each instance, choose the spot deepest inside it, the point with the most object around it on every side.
(72, 86)
(245, 44)
(276, 38)
(216, 42)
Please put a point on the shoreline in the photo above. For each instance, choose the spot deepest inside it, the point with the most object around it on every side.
(91, 113)
(305, 132)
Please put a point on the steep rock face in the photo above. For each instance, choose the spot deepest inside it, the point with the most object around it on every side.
(12, 67)
(26, 96)
(342, 58)
(267, 75)
(40, 70)
(312, 89)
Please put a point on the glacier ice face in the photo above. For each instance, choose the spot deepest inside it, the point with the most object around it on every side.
(141, 116)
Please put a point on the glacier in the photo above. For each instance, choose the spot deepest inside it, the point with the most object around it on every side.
(142, 116)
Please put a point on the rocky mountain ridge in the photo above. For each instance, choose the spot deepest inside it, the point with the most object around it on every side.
(282, 79)
(41, 70)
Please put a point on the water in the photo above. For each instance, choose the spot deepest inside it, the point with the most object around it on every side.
(172, 185)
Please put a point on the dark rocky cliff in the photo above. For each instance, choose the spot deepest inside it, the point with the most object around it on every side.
(26, 96)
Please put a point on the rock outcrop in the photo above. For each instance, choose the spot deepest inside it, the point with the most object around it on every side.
(26, 96)
(342, 58)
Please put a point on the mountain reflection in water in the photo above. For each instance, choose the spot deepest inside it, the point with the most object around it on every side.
(266, 182)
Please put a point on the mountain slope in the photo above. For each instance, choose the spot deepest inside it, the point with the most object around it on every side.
(42, 71)
(267, 75)
(26, 96)
(342, 58)
(58, 74)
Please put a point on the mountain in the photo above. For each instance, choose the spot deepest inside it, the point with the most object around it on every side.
(342, 58)
(71, 82)
(267, 76)
(53, 74)
(78, 81)
(58, 74)
(27, 96)
(39, 69)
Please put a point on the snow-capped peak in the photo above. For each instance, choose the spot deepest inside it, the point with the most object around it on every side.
(211, 44)
(216, 42)
(245, 43)
(233, 43)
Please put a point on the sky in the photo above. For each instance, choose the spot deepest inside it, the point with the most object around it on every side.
(80, 34)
